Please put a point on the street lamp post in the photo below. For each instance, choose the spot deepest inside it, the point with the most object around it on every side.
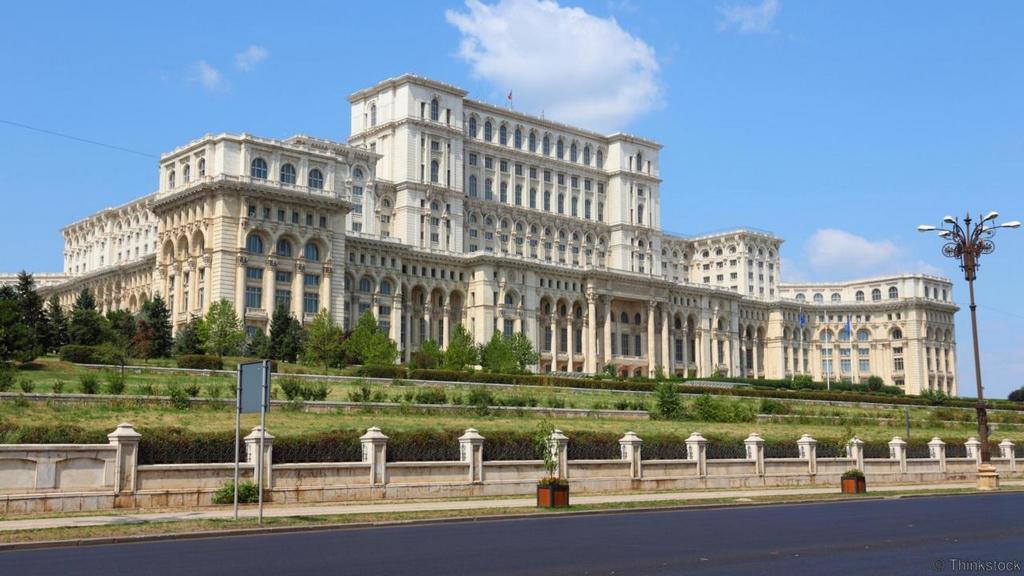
(967, 243)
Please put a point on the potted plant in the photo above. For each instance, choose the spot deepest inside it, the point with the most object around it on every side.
(853, 482)
(552, 491)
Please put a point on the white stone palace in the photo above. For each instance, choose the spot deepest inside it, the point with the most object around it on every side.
(441, 209)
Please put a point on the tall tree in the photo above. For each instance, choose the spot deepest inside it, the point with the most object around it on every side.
(122, 328)
(158, 317)
(461, 351)
(523, 351)
(285, 335)
(88, 326)
(497, 355)
(368, 344)
(323, 345)
(222, 330)
(33, 314)
(16, 340)
(189, 339)
(257, 345)
(57, 325)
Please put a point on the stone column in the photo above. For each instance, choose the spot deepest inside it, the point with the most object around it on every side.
(607, 332)
(808, 450)
(558, 444)
(570, 335)
(471, 450)
(685, 336)
(375, 446)
(743, 360)
(427, 320)
(651, 344)
(445, 335)
(554, 339)
(898, 452)
(755, 452)
(666, 356)
(973, 446)
(239, 290)
(937, 451)
(252, 451)
(855, 450)
(592, 367)
(630, 445)
(269, 273)
(1006, 451)
(696, 449)
(326, 279)
(757, 357)
(395, 333)
(297, 292)
(126, 439)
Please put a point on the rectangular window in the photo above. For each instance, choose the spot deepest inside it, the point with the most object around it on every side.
(280, 215)
(311, 279)
(472, 160)
(323, 221)
(254, 273)
(253, 297)
(638, 340)
(864, 366)
(283, 298)
(625, 344)
(310, 303)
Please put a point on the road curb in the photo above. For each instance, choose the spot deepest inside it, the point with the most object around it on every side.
(228, 533)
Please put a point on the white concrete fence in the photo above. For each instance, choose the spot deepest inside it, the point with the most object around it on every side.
(62, 477)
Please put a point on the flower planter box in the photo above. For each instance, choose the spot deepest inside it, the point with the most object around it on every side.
(552, 495)
(854, 486)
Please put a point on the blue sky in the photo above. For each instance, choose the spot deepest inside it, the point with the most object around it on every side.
(838, 126)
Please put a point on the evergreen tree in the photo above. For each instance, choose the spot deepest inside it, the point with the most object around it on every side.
(257, 345)
(158, 317)
(222, 330)
(88, 326)
(323, 345)
(189, 339)
(16, 340)
(57, 325)
(368, 344)
(286, 336)
(461, 352)
(122, 328)
(33, 315)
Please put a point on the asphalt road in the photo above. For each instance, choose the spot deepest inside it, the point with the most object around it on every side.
(909, 536)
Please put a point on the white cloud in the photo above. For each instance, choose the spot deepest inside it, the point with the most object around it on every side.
(749, 18)
(572, 66)
(247, 59)
(833, 254)
(208, 76)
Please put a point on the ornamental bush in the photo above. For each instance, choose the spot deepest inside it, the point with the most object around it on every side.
(247, 493)
(81, 354)
(200, 362)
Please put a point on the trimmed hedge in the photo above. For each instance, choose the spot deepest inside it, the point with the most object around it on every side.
(80, 354)
(200, 362)
(381, 371)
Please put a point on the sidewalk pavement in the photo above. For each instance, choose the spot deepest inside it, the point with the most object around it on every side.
(275, 511)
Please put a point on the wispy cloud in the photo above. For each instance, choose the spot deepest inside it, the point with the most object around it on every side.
(573, 66)
(749, 18)
(832, 254)
(208, 76)
(249, 58)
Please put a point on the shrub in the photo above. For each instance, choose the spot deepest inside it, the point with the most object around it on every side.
(480, 398)
(875, 383)
(771, 406)
(89, 383)
(381, 371)
(148, 389)
(193, 389)
(292, 389)
(116, 382)
(553, 401)
(852, 473)
(27, 386)
(58, 386)
(215, 389)
(316, 391)
(247, 493)
(81, 354)
(7, 378)
(711, 409)
(666, 401)
(1017, 395)
(200, 362)
(179, 397)
(430, 395)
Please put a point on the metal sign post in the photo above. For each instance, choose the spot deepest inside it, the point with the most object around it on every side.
(265, 402)
(251, 396)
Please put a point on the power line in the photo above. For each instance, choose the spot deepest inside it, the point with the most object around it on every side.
(77, 139)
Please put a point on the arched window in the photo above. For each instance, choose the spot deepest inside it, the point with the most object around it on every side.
(572, 152)
(472, 186)
(472, 126)
(170, 179)
(836, 297)
(876, 295)
(897, 334)
(433, 170)
(364, 285)
(254, 244)
(586, 155)
(640, 214)
(826, 336)
(531, 142)
(818, 298)
(503, 135)
(624, 318)
(357, 174)
(510, 299)
(315, 179)
(488, 189)
(639, 162)
(560, 149)
(600, 159)
(385, 287)
(517, 139)
(893, 293)
(202, 167)
(186, 173)
(844, 336)
(284, 248)
(637, 320)
(258, 168)
(561, 203)
(312, 252)
(488, 135)
(546, 146)
(435, 110)
(863, 335)
(859, 296)
(800, 297)
(287, 174)
(373, 115)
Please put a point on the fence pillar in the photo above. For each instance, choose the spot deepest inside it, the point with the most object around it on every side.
(558, 443)
(973, 446)
(630, 445)
(755, 451)
(937, 451)
(807, 447)
(471, 450)
(898, 452)
(697, 450)
(855, 450)
(1006, 451)
(375, 451)
(126, 460)
(252, 450)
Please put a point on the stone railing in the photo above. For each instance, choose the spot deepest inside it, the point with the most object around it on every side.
(38, 478)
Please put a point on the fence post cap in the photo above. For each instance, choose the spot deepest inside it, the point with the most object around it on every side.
(754, 438)
(973, 441)
(696, 437)
(630, 438)
(255, 434)
(806, 439)
(897, 440)
(124, 431)
(856, 441)
(471, 435)
(373, 433)
(936, 441)
(1006, 442)
(557, 435)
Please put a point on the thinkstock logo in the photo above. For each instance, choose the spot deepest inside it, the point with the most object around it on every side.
(964, 566)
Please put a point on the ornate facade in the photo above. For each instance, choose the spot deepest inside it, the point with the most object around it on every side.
(441, 210)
